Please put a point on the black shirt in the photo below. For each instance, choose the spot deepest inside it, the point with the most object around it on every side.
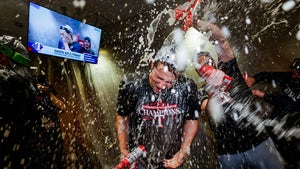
(18, 120)
(157, 120)
(237, 132)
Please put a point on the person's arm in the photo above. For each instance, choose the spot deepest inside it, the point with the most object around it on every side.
(67, 47)
(125, 105)
(278, 100)
(189, 132)
(204, 105)
(250, 81)
(57, 102)
(66, 39)
(122, 127)
(216, 35)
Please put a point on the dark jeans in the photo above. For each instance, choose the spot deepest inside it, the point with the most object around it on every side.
(263, 156)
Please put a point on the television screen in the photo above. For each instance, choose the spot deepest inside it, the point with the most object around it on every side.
(55, 34)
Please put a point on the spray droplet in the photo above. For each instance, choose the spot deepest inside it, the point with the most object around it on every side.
(288, 5)
(150, 1)
(226, 31)
(246, 50)
(298, 35)
(266, 1)
(274, 84)
(248, 21)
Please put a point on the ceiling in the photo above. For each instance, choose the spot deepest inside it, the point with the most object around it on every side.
(122, 15)
(124, 21)
(105, 14)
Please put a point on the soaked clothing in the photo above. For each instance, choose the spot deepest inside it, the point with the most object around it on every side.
(157, 120)
(50, 140)
(289, 100)
(18, 120)
(236, 133)
(287, 108)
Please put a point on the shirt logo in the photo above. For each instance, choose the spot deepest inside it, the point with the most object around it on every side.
(159, 111)
(290, 93)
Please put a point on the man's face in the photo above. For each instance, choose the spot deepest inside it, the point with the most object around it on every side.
(161, 78)
(65, 36)
(87, 44)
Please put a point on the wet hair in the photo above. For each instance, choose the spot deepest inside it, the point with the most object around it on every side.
(169, 55)
(87, 39)
(171, 67)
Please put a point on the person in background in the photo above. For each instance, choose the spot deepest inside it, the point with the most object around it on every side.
(232, 109)
(67, 41)
(286, 107)
(87, 45)
(18, 116)
(50, 136)
(159, 110)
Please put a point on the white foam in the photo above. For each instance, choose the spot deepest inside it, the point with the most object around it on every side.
(288, 5)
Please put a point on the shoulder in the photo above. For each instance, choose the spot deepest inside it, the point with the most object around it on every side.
(185, 80)
(76, 44)
(186, 83)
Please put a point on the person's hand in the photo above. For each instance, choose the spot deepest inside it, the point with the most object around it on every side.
(65, 37)
(176, 161)
(49, 125)
(258, 93)
(250, 81)
(124, 154)
(215, 77)
(60, 104)
(42, 88)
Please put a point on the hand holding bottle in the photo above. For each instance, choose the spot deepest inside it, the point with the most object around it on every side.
(133, 156)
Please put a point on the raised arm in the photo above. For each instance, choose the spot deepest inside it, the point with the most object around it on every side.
(216, 35)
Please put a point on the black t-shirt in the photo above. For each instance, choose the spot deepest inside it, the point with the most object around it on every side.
(287, 103)
(18, 120)
(157, 120)
(47, 109)
(289, 100)
(238, 132)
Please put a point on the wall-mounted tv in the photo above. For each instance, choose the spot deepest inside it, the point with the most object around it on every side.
(55, 34)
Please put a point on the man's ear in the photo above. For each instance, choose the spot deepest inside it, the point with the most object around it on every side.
(151, 64)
